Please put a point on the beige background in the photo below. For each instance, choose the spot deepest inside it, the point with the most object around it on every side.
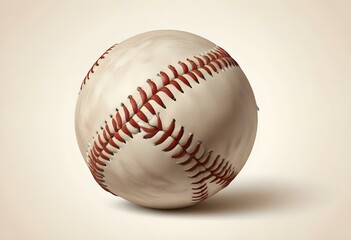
(296, 184)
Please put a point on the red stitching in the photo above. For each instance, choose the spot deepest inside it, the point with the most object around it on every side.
(184, 66)
(96, 64)
(158, 100)
(221, 173)
(174, 70)
(167, 133)
(142, 94)
(168, 92)
(177, 86)
(152, 86)
(99, 153)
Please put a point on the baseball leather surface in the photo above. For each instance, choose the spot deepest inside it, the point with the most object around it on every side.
(165, 119)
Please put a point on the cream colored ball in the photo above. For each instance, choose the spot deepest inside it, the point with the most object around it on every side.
(165, 119)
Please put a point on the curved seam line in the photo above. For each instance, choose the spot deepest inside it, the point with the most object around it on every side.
(94, 66)
(217, 173)
(211, 57)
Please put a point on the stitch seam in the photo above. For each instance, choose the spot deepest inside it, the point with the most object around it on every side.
(95, 65)
(125, 124)
(187, 155)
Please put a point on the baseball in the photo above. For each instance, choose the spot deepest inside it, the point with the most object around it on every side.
(165, 119)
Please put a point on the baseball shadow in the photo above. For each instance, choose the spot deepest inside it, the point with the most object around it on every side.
(249, 198)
